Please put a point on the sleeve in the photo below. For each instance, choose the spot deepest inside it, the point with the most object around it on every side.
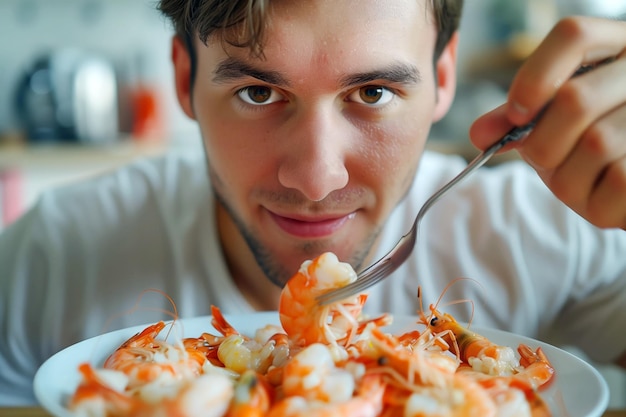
(574, 271)
(594, 315)
(25, 252)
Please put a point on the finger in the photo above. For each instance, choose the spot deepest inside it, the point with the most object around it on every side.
(489, 127)
(574, 41)
(602, 145)
(607, 203)
(575, 107)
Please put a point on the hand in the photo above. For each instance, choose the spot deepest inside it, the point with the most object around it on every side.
(578, 147)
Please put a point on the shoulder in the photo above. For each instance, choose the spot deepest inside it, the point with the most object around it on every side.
(158, 183)
(154, 199)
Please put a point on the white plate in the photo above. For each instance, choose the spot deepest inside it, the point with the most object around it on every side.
(578, 390)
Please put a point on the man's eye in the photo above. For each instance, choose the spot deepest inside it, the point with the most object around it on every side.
(259, 95)
(373, 95)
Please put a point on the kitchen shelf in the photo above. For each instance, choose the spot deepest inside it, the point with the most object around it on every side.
(52, 156)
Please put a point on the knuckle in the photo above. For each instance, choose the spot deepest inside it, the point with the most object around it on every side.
(596, 142)
(574, 98)
(610, 192)
(564, 189)
(615, 177)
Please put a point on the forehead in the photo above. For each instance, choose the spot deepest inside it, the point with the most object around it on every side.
(355, 23)
(345, 33)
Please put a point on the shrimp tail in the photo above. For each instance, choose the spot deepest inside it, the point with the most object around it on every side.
(537, 367)
(219, 322)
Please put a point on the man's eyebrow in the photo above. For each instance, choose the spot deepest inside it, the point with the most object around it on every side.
(233, 69)
(396, 73)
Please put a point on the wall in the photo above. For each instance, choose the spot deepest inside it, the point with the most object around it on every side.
(123, 31)
(130, 34)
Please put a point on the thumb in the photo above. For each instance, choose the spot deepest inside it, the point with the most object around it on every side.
(490, 127)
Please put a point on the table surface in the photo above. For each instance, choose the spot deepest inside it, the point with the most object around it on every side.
(39, 412)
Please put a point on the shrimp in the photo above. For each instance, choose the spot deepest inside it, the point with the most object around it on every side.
(208, 344)
(513, 402)
(414, 364)
(366, 402)
(460, 397)
(144, 359)
(253, 396)
(424, 379)
(312, 374)
(533, 369)
(100, 393)
(239, 353)
(304, 320)
(207, 395)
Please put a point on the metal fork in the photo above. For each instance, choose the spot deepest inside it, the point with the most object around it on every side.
(401, 251)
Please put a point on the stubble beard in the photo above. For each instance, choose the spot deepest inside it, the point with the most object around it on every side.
(271, 267)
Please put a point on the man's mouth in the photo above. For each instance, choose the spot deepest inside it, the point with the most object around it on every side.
(313, 227)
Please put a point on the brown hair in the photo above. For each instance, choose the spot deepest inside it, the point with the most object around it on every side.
(242, 22)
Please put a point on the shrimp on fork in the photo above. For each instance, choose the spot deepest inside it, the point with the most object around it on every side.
(305, 321)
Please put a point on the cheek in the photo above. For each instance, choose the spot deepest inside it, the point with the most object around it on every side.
(394, 153)
(237, 152)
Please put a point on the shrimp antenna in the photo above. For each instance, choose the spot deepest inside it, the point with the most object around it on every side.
(453, 302)
(173, 314)
(419, 299)
(461, 301)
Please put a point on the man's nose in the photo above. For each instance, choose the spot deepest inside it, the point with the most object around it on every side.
(316, 148)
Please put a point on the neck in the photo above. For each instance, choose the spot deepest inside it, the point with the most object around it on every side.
(244, 270)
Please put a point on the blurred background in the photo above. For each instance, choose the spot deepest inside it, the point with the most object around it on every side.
(86, 86)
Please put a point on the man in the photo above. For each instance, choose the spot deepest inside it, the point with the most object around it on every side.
(314, 116)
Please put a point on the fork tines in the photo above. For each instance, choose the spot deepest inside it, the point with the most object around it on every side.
(369, 277)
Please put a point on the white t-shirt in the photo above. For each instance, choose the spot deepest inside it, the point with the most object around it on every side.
(76, 265)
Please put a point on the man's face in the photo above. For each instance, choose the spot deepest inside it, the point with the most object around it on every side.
(312, 147)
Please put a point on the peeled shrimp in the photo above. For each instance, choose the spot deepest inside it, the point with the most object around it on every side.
(304, 320)
(239, 353)
(146, 360)
(461, 396)
(253, 396)
(312, 374)
(207, 395)
(367, 401)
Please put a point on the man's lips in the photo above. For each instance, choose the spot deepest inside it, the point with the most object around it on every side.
(310, 228)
